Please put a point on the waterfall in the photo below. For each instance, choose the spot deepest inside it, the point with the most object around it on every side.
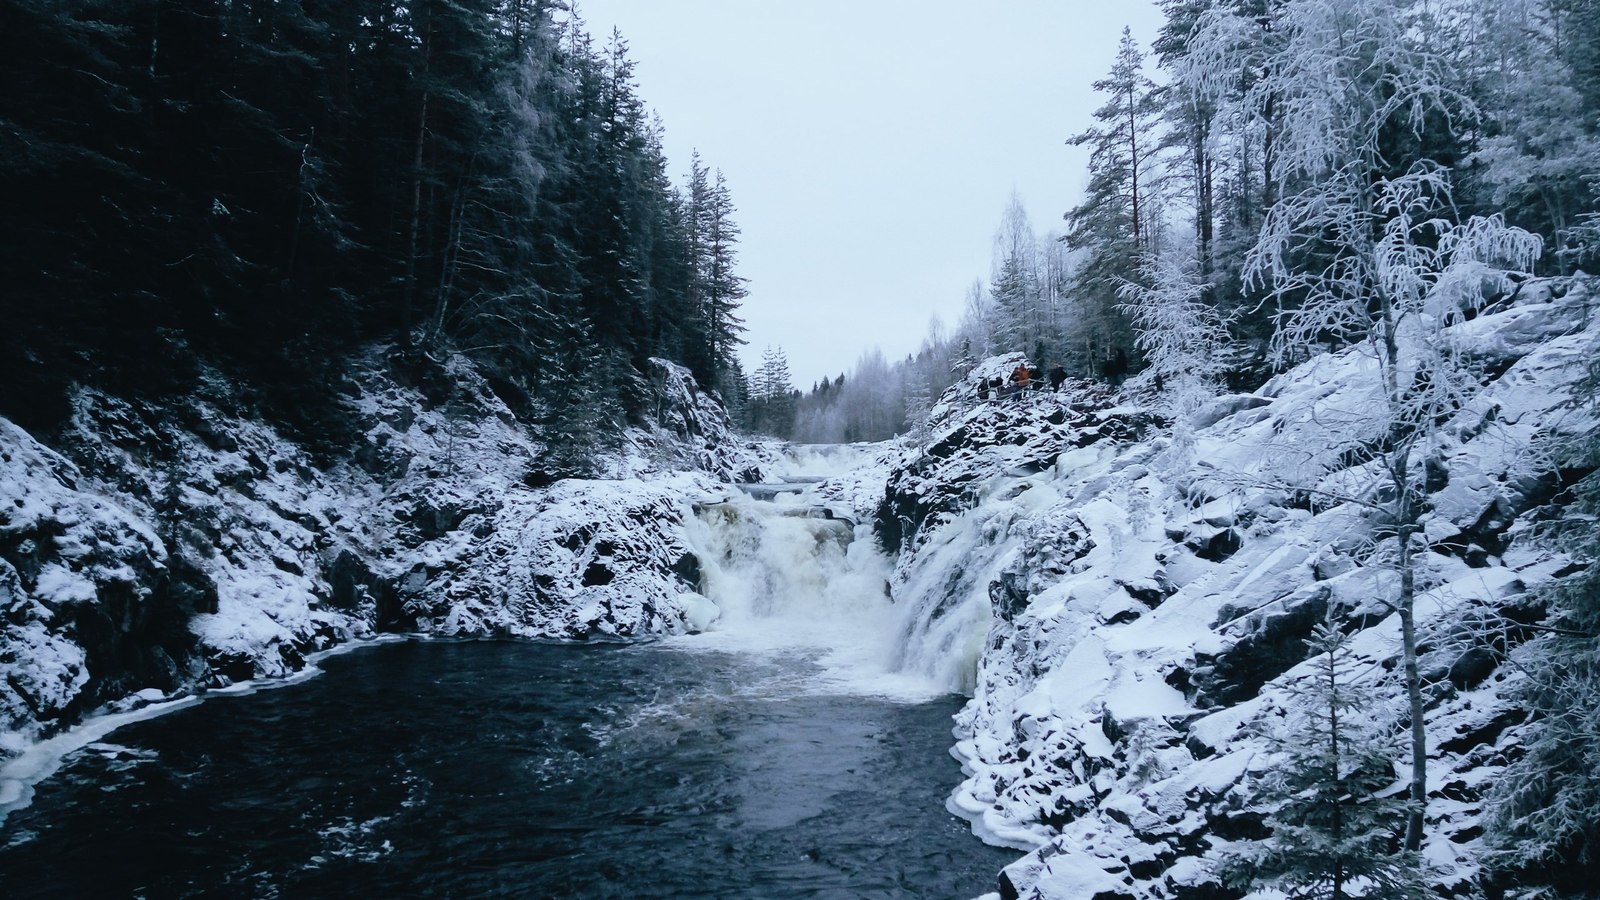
(785, 579)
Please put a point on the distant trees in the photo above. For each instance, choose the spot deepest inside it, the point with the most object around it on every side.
(772, 397)
(264, 187)
(868, 405)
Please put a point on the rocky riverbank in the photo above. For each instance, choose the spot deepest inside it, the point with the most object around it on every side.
(154, 550)
(1137, 607)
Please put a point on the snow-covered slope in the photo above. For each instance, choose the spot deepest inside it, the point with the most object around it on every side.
(163, 550)
(1136, 610)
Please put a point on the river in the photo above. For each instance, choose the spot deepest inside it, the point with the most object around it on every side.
(779, 755)
(481, 768)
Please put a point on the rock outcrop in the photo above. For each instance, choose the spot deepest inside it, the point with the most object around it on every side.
(156, 550)
(1137, 607)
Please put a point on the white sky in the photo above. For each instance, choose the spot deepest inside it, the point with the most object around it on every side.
(871, 145)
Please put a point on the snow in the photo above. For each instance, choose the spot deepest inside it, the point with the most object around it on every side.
(161, 551)
(1132, 600)
(1127, 619)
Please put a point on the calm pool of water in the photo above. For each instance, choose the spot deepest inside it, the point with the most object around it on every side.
(516, 769)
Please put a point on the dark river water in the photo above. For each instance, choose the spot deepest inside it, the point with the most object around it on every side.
(480, 768)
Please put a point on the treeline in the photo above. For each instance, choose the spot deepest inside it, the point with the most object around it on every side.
(263, 187)
(1201, 153)
(876, 402)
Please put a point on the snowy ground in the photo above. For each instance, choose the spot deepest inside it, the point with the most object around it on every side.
(1126, 612)
(1136, 611)
(163, 551)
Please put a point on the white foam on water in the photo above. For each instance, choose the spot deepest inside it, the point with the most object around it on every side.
(822, 460)
(41, 760)
(788, 583)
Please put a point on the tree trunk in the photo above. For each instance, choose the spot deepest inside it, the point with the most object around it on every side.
(1133, 168)
(1338, 793)
(1408, 639)
(408, 302)
(1406, 512)
(1204, 215)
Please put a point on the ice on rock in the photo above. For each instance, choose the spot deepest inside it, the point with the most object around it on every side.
(168, 550)
(1143, 621)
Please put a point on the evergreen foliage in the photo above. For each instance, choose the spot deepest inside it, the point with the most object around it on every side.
(263, 188)
(772, 398)
(1117, 221)
(1332, 826)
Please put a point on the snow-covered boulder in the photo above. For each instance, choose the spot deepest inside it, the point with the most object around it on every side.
(1138, 610)
(160, 549)
(689, 429)
(579, 559)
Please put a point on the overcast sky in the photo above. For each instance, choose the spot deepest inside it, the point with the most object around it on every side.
(871, 145)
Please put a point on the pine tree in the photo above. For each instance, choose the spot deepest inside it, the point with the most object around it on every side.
(1332, 758)
(723, 287)
(1014, 287)
(1117, 221)
(772, 403)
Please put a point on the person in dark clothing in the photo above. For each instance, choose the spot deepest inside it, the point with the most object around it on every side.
(1035, 378)
(983, 390)
(1116, 366)
(1057, 376)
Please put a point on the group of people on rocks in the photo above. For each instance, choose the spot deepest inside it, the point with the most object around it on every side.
(1026, 378)
(1023, 378)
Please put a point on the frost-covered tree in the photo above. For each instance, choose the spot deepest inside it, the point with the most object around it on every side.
(771, 408)
(918, 406)
(1331, 758)
(1524, 61)
(1014, 287)
(1181, 336)
(1542, 820)
(1359, 246)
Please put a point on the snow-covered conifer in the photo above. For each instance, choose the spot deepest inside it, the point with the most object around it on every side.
(1181, 337)
(1331, 760)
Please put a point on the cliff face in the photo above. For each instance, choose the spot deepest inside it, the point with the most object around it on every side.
(1138, 609)
(157, 550)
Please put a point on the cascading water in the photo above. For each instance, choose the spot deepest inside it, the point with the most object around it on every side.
(946, 596)
(797, 747)
(787, 579)
(787, 582)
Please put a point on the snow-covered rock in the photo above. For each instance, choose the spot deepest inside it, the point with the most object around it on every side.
(161, 549)
(1137, 610)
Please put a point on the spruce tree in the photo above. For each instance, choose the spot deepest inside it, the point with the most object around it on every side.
(723, 287)
(1332, 758)
(1117, 221)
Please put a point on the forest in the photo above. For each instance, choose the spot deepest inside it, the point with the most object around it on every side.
(236, 199)
(1214, 163)
(1273, 180)
(239, 200)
